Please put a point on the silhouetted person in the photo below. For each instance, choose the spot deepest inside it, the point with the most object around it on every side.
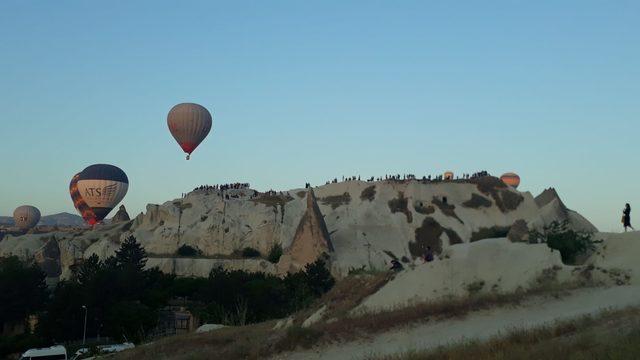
(428, 255)
(626, 217)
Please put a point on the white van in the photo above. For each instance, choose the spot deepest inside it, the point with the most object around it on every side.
(51, 353)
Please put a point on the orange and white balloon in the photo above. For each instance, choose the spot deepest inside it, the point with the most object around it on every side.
(511, 179)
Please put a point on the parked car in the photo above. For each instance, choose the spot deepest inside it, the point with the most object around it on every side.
(58, 352)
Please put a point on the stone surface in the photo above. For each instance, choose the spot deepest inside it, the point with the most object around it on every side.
(120, 216)
(310, 241)
(366, 224)
(519, 232)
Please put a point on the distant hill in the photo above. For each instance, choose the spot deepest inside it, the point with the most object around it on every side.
(61, 219)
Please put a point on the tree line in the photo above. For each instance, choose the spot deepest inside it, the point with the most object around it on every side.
(124, 299)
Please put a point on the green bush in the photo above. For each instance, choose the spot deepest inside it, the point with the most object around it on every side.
(275, 253)
(249, 252)
(254, 297)
(570, 243)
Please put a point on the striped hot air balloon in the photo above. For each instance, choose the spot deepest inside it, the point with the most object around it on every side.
(448, 175)
(26, 217)
(511, 179)
(102, 187)
(78, 202)
(189, 124)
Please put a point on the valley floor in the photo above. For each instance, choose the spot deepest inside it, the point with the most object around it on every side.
(481, 325)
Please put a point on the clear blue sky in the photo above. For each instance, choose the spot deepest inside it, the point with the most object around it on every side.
(305, 91)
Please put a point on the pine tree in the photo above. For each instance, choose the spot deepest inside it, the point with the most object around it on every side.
(22, 290)
(131, 255)
(88, 270)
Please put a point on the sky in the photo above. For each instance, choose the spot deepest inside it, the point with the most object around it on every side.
(305, 91)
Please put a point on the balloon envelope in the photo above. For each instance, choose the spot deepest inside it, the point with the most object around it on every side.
(78, 202)
(511, 179)
(102, 187)
(448, 175)
(26, 217)
(189, 124)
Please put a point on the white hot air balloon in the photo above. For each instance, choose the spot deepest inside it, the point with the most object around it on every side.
(189, 124)
(102, 187)
(26, 217)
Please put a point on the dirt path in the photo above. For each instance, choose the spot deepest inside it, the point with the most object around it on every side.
(480, 325)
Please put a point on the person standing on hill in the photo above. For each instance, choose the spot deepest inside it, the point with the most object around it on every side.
(626, 218)
(428, 255)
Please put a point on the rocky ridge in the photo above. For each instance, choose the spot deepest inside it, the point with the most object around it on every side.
(360, 224)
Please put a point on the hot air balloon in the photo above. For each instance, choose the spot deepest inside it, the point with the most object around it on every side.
(511, 179)
(189, 124)
(448, 175)
(78, 202)
(26, 217)
(102, 187)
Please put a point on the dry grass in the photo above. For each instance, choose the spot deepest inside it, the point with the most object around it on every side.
(610, 335)
(258, 341)
(348, 327)
(261, 340)
(367, 324)
(246, 342)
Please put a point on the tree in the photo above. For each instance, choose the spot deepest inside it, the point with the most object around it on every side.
(318, 277)
(275, 253)
(131, 254)
(89, 269)
(570, 243)
(23, 290)
(122, 298)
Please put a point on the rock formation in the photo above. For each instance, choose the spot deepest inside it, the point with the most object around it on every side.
(366, 224)
(120, 216)
(310, 241)
(48, 258)
(553, 209)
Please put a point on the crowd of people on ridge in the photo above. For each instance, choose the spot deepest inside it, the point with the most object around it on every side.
(219, 189)
(406, 177)
(223, 187)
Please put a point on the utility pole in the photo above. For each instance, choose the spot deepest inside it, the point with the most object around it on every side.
(84, 332)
